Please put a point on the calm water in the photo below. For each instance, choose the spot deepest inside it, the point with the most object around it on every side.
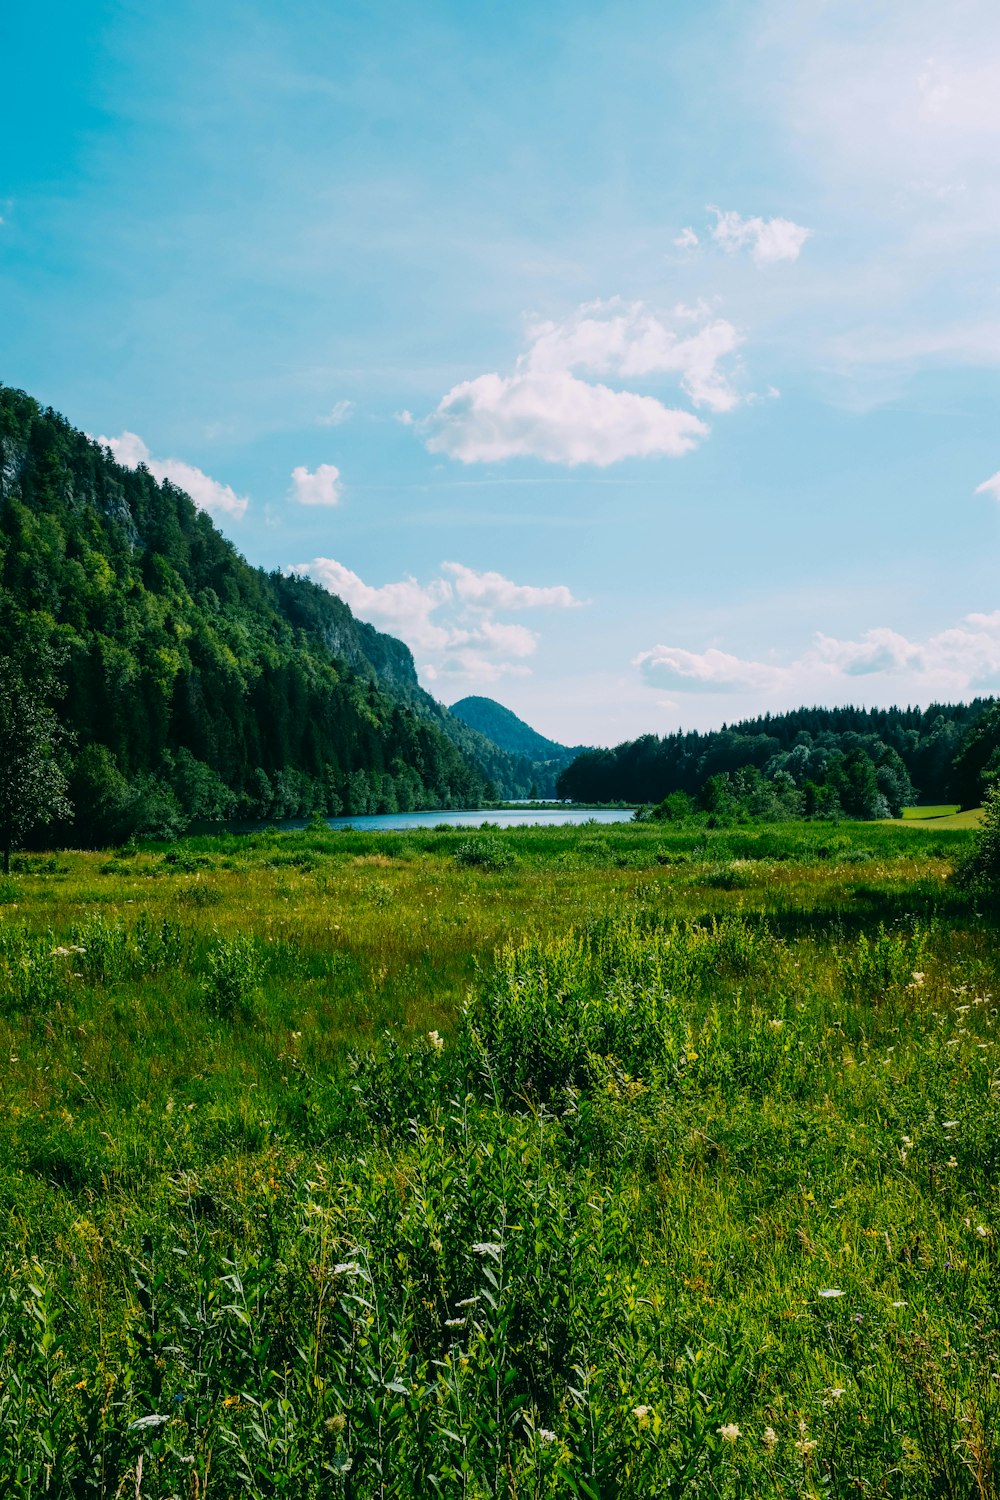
(509, 817)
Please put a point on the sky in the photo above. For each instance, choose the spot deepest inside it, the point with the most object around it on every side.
(638, 363)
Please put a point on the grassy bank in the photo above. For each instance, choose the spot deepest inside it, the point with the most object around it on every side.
(676, 1173)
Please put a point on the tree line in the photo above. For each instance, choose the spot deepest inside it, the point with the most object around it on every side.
(855, 762)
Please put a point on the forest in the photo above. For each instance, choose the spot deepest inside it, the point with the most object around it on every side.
(189, 684)
(854, 762)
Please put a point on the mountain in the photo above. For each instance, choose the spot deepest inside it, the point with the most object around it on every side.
(538, 760)
(505, 729)
(197, 686)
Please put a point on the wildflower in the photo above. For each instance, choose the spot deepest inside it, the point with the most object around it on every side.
(982, 1231)
(467, 1302)
(948, 1124)
(488, 1247)
(436, 1246)
(347, 1268)
(454, 1322)
(804, 1446)
(436, 1041)
(641, 1414)
(951, 1162)
(546, 1434)
(835, 1392)
(775, 1024)
(336, 1423)
(769, 1439)
(899, 1304)
(918, 978)
(728, 1432)
(830, 1291)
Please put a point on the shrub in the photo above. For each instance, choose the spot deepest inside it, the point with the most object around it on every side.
(980, 871)
(485, 852)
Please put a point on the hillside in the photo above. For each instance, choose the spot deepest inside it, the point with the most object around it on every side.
(196, 685)
(505, 729)
(538, 761)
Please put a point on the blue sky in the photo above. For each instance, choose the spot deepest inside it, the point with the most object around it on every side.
(638, 364)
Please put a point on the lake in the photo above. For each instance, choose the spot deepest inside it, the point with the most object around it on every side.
(507, 817)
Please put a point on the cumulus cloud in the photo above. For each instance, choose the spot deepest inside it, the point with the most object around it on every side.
(547, 408)
(494, 591)
(962, 660)
(319, 487)
(768, 240)
(990, 486)
(450, 623)
(557, 418)
(206, 492)
(403, 608)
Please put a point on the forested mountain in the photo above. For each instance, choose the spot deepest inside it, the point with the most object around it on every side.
(538, 760)
(505, 729)
(197, 686)
(896, 754)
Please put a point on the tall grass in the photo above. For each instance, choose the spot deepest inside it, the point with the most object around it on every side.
(339, 1166)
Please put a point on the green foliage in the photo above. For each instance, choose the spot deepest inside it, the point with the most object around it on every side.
(33, 782)
(656, 1187)
(980, 871)
(865, 763)
(197, 687)
(484, 852)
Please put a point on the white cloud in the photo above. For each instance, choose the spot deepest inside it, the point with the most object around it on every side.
(449, 622)
(687, 239)
(320, 487)
(768, 240)
(494, 591)
(340, 412)
(954, 663)
(403, 608)
(990, 486)
(627, 340)
(546, 410)
(557, 418)
(207, 493)
(710, 671)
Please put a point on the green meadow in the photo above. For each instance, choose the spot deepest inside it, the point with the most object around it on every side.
(603, 1161)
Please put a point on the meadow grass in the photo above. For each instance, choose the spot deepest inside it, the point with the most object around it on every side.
(946, 817)
(606, 1161)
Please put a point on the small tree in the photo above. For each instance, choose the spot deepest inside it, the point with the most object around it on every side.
(32, 781)
(979, 872)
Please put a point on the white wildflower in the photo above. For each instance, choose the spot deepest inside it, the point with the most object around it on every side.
(488, 1247)
(728, 1432)
(830, 1291)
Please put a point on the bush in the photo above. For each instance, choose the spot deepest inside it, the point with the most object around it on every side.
(486, 852)
(980, 871)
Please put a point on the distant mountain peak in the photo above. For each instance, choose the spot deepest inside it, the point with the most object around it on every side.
(506, 730)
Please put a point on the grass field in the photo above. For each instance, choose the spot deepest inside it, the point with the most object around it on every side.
(607, 1161)
(947, 816)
